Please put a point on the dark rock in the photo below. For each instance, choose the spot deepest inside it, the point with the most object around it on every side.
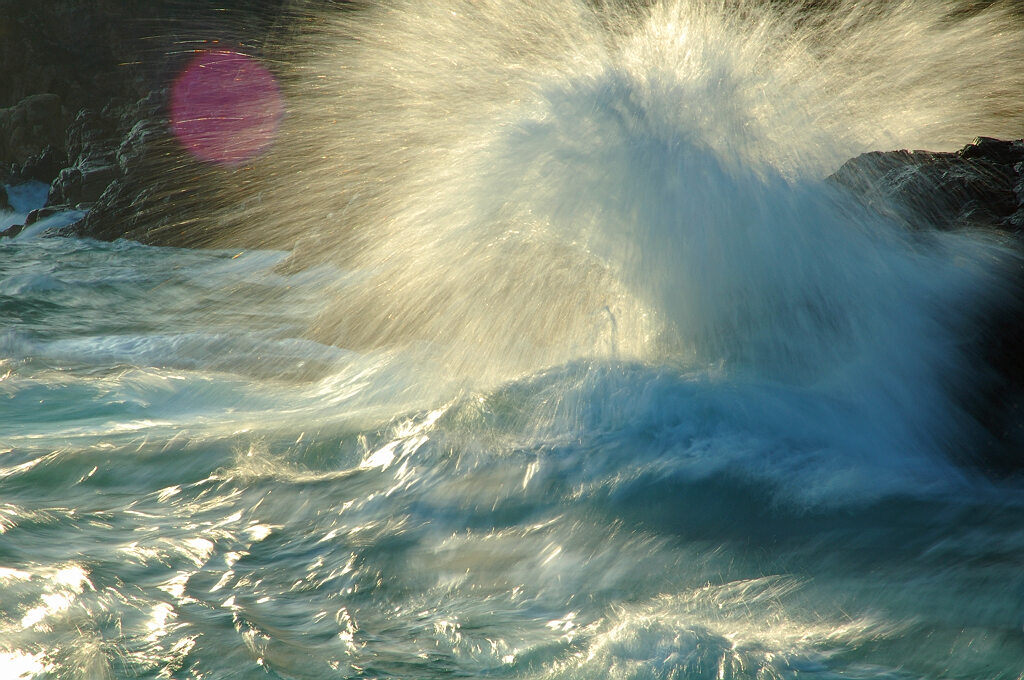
(993, 150)
(125, 210)
(27, 128)
(979, 186)
(139, 148)
(11, 232)
(42, 213)
(67, 183)
(91, 52)
(97, 173)
(106, 145)
(148, 108)
(84, 182)
(135, 209)
(44, 166)
(152, 190)
(1000, 406)
(5, 202)
(90, 134)
(113, 62)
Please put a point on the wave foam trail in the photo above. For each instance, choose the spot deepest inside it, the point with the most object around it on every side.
(515, 185)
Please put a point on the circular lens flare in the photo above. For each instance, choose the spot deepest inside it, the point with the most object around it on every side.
(226, 107)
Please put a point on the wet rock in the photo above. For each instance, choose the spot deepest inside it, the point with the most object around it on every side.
(110, 63)
(139, 148)
(141, 191)
(29, 127)
(5, 202)
(44, 166)
(979, 186)
(148, 108)
(85, 182)
(66, 184)
(106, 146)
(152, 191)
(91, 134)
(97, 172)
(135, 208)
(42, 213)
(11, 232)
(1000, 407)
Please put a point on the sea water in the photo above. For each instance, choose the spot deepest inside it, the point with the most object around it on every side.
(559, 359)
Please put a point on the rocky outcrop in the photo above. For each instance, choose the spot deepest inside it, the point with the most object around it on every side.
(139, 196)
(120, 163)
(31, 127)
(979, 186)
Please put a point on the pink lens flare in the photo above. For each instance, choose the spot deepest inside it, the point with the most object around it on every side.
(226, 107)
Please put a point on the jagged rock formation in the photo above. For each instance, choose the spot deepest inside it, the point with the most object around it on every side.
(32, 128)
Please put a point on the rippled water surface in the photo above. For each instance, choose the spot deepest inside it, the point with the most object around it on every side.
(170, 508)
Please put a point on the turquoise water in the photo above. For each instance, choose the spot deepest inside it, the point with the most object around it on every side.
(189, 489)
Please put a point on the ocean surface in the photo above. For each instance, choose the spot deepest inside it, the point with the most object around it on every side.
(578, 368)
(171, 507)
